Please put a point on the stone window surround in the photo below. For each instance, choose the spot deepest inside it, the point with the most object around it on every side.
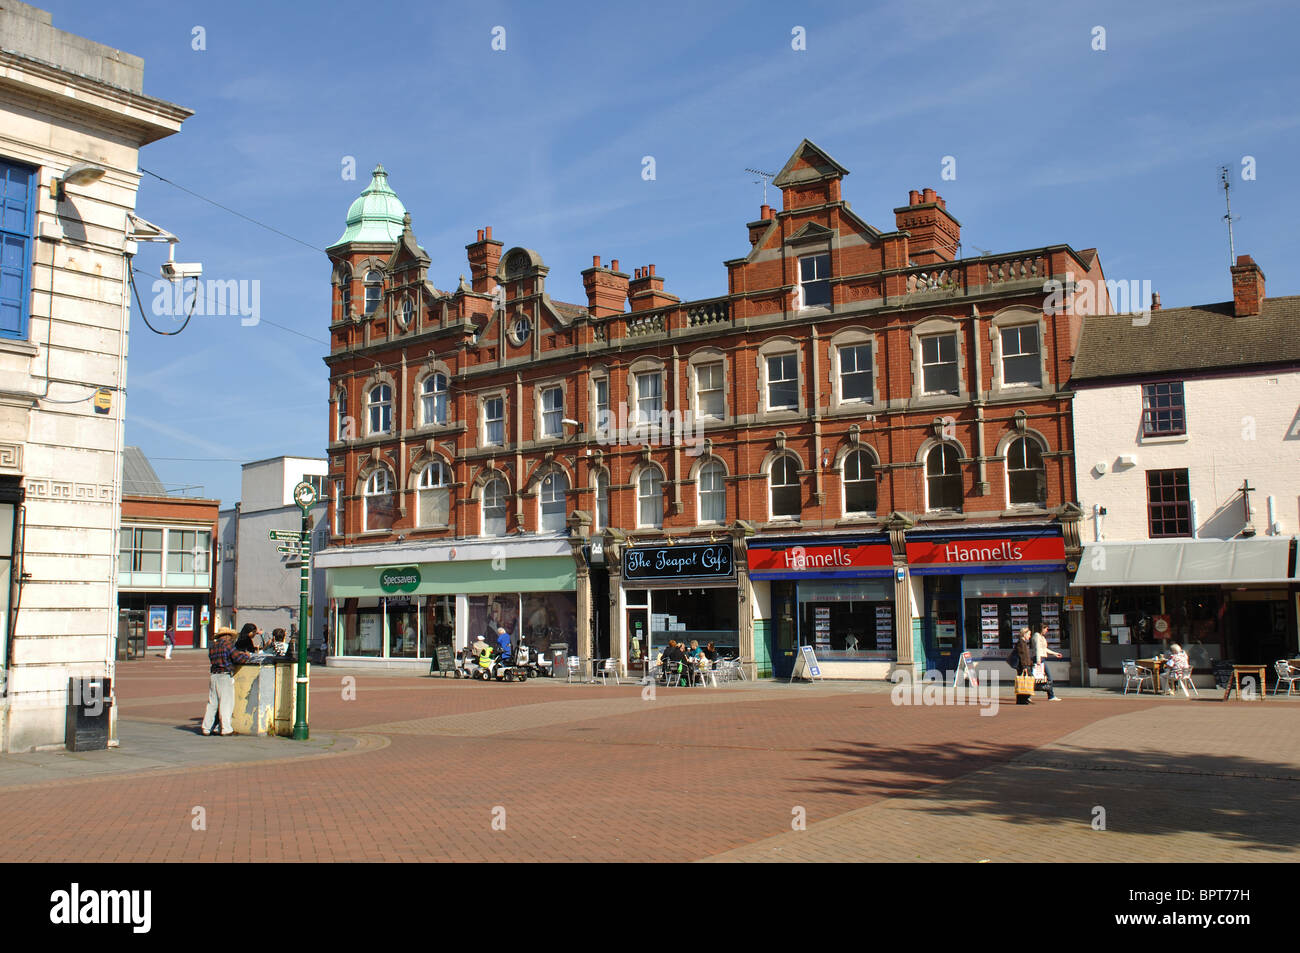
(775, 347)
(539, 388)
(851, 337)
(938, 324)
(841, 460)
(374, 380)
(698, 358)
(647, 365)
(427, 370)
(595, 373)
(694, 477)
(594, 473)
(637, 471)
(766, 470)
(534, 487)
(1004, 445)
(922, 457)
(363, 480)
(483, 398)
(1011, 318)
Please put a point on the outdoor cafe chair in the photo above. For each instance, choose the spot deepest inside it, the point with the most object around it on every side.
(607, 670)
(1183, 679)
(1135, 673)
(575, 668)
(704, 673)
(1284, 674)
(672, 674)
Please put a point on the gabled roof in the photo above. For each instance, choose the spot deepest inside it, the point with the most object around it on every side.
(808, 164)
(1203, 338)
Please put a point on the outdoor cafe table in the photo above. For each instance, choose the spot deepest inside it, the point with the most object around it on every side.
(1155, 665)
(1240, 670)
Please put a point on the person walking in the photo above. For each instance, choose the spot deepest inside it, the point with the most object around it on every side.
(1040, 653)
(169, 641)
(222, 656)
(1023, 653)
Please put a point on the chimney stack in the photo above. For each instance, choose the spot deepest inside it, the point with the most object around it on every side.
(484, 256)
(606, 288)
(646, 292)
(1247, 287)
(1155, 301)
(934, 235)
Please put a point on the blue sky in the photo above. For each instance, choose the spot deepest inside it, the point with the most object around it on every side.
(1054, 142)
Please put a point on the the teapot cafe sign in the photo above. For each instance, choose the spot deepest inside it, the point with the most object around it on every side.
(678, 562)
(403, 579)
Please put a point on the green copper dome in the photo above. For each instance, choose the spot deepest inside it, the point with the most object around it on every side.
(376, 215)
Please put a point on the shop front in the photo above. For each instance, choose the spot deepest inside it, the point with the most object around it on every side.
(1218, 599)
(683, 592)
(836, 596)
(396, 614)
(977, 591)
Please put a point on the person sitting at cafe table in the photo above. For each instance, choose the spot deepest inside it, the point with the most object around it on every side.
(695, 650)
(710, 652)
(1176, 666)
(673, 654)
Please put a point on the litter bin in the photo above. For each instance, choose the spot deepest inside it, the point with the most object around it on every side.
(89, 701)
(559, 653)
(254, 712)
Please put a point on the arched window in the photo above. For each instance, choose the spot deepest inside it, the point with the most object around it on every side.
(943, 478)
(378, 503)
(1026, 475)
(345, 295)
(712, 493)
(554, 486)
(341, 428)
(434, 491)
(381, 408)
(493, 502)
(374, 285)
(408, 311)
(433, 399)
(602, 502)
(859, 483)
(650, 498)
(785, 491)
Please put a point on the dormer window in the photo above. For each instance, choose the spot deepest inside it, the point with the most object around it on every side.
(814, 281)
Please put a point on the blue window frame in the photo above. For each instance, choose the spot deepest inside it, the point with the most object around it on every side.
(17, 206)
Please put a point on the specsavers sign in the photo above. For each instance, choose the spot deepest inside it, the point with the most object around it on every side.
(405, 579)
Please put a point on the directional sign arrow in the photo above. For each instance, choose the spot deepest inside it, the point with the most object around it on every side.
(286, 534)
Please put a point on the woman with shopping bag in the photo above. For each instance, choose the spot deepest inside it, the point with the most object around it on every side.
(1023, 654)
(1040, 652)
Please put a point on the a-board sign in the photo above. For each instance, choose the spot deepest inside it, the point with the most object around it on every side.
(442, 660)
(805, 664)
(965, 666)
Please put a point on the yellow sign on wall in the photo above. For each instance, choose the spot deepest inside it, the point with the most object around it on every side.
(103, 400)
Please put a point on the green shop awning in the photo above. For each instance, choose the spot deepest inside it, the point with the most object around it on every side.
(471, 577)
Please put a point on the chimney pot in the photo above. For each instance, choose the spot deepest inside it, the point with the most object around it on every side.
(489, 231)
(613, 264)
(928, 195)
(480, 235)
(595, 261)
(765, 212)
(1155, 301)
(913, 197)
(652, 269)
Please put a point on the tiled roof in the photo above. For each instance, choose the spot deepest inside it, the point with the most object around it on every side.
(1202, 338)
(569, 310)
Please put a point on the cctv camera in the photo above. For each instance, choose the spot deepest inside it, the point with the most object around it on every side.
(182, 269)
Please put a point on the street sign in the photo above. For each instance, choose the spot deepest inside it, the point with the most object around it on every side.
(286, 534)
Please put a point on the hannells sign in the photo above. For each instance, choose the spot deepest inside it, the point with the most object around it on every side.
(405, 579)
(678, 562)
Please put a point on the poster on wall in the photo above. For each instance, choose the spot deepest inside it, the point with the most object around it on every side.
(184, 618)
(1052, 622)
(884, 628)
(157, 618)
(370, 628)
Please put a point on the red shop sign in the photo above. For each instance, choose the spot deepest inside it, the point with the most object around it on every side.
(959, 552)
(821, 558)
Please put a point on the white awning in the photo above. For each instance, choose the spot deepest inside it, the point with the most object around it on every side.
(1195, 562)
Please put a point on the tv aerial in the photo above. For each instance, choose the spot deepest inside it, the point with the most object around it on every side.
(765, 177)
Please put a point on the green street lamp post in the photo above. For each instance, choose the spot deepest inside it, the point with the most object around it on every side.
(304, 494)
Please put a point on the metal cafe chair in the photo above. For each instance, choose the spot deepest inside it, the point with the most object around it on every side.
(1136, 673)
(1182, 678)
(1284, 674)
(575, 669)
(609, 669)
(704, 673)
(672, 674)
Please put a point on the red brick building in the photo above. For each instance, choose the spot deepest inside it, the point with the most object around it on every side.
(863, 444)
